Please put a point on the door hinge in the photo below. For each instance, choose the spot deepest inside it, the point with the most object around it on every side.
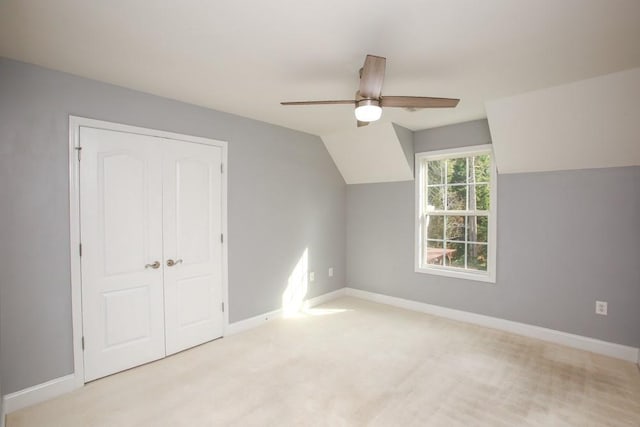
(80, 250)
(223, 307)
(222, 238)
(78, 150)
(221, 167)
(82, 343)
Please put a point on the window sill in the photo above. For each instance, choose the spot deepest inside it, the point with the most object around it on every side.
(478, 277)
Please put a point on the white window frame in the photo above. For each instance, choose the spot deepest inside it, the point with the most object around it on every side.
(420, 159)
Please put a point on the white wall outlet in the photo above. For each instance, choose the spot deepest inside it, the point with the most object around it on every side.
(601, 308)
(312, 276)
(330, 271)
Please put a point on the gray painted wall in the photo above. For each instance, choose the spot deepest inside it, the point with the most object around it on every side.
(405, 136)
(285, 195)
(475, 132)
(565, 240)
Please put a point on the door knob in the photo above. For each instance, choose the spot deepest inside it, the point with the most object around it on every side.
(155, 265)
(171, 262)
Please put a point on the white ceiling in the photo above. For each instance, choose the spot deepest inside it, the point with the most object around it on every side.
(244, 57)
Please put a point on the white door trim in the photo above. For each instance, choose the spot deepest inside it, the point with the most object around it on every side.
(75, 123)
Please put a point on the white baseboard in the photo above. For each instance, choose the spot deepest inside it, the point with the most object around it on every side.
(39, 393)
(252, 322)
(321, 299)
(45, 391)
(593, 345)
(56, 387)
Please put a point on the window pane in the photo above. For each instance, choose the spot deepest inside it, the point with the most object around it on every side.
(477, 228)
(472, 229)
(455, 228)
(455, 254)
(482, 197)
(435, 172)
(477, 257)
(482, 229)
(457, 170)
(435, 252)
(456, 197)
(481, 167)
(435, 198)
(435, 227)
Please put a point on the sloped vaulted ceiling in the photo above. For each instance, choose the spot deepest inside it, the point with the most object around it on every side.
(593, 123)
(380, 152)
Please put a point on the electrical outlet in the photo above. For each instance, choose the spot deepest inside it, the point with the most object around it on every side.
(601, 308)
(312, 276)
(330, 271)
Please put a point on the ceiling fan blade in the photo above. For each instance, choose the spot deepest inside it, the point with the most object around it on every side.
(360, 124)
(344, 101)
(372, 76)
(418, 102)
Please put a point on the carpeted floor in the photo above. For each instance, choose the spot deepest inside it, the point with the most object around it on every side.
(357, 363)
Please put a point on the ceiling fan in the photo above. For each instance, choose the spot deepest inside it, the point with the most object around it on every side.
(369, 100)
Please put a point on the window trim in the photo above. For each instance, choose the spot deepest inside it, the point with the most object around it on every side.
(488, 276)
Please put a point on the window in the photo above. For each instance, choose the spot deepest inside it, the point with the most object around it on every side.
(456, 220)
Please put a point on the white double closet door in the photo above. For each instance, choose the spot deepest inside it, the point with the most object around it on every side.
(150, 213)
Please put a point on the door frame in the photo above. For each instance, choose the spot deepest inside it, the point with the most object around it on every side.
(75, 123)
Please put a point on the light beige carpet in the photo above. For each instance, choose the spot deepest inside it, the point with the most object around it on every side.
(356, 363)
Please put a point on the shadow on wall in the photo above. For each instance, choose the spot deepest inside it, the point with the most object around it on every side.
(293, 298)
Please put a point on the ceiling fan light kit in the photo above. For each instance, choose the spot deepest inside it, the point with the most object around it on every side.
(369, 100)
(368, 110)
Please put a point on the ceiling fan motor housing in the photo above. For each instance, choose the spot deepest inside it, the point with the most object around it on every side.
(368, 110)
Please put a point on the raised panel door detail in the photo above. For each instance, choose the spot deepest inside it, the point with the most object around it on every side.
(127, 316)
(193, 207)
(124, 212)
(194, 300)
(192, 190)
(121, 228)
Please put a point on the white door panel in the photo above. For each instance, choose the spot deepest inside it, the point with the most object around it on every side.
(121, 227)
(192, 229)
(124, 214)
(192, 183)
(144, 200)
